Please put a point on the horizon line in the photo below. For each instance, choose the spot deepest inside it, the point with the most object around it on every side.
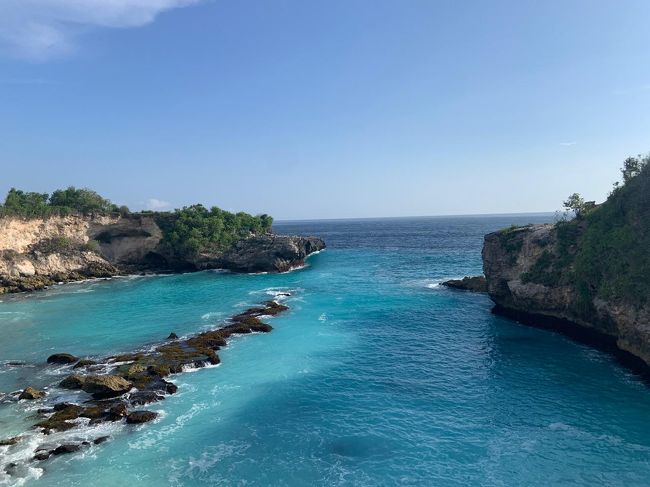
(463, 215)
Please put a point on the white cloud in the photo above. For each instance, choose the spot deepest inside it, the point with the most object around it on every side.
(156, 204)
(41, 29)
(568, 144)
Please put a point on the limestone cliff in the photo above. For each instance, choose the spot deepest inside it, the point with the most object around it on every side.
(38, 252)
(588, 277)
(538, 277)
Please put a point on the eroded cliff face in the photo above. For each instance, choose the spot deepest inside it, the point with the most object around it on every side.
(36, 253)
(512, 258)
(270, 253)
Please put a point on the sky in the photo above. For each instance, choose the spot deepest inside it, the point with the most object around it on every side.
(324, 109)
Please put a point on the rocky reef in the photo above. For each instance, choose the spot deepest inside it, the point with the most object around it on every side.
(38, 252)
(114, 389)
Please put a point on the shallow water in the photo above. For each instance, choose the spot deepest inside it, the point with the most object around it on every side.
(376, 376)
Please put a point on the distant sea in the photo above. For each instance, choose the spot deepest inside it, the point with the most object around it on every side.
(377, 376)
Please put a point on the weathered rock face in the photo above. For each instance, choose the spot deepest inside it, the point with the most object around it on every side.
(269, 253)
(104, 386)
(36, 253)
(30, 393)
(130, 241)
(510, 255)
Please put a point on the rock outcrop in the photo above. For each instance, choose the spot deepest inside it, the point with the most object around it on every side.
(61, 358)
(38, 252)
(531, 277)
(139, 417)
(270, 253)
(476, 284)
(30, 394)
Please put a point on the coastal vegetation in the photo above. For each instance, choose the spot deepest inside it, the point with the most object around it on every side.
(604, 250)
(194, 229)
(187, 232)
(61, 202)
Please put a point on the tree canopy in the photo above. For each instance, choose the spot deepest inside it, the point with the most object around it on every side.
(194, 229)
(61, 202)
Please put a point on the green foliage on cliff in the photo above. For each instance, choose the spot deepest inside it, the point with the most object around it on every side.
(196, 229)
(61, 202)
(605, 253)
(612, 259)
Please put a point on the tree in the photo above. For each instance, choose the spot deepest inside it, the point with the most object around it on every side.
(24, 203)
(82, 200)
(631, 167)
(576, 204)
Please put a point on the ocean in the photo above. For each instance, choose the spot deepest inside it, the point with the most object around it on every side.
(376, 376)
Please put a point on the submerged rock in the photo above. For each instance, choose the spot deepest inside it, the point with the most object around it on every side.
(172, 336)
(61, 358)
(476, 284)
(30, 394)
(68, 448)
(84, 362)
(64, 412)
(138, 417)
(10, 441)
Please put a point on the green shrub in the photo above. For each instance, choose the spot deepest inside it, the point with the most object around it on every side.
(61, 202)
(605, 252)
(194, 229)
(54, 245)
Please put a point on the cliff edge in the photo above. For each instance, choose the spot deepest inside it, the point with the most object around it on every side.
(38, 252)
(588, 277)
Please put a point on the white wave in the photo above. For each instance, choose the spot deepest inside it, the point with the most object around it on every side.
(212, 314)
(189, 368)
(153, 437)
(322, 317)
(295, 268)
(280, 294)
(21, 454)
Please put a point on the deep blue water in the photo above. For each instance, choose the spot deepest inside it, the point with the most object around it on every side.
(376, 376)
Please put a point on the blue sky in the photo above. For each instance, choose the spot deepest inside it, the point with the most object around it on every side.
(324, 109)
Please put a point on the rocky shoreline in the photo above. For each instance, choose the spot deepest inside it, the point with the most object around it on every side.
(38, 253)
(581, 334)
(511, 260)
(114, 389)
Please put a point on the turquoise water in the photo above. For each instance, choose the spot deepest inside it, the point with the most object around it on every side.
(376, 376)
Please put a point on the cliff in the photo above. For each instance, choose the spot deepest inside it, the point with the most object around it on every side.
(38, 252)
(588, 277)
